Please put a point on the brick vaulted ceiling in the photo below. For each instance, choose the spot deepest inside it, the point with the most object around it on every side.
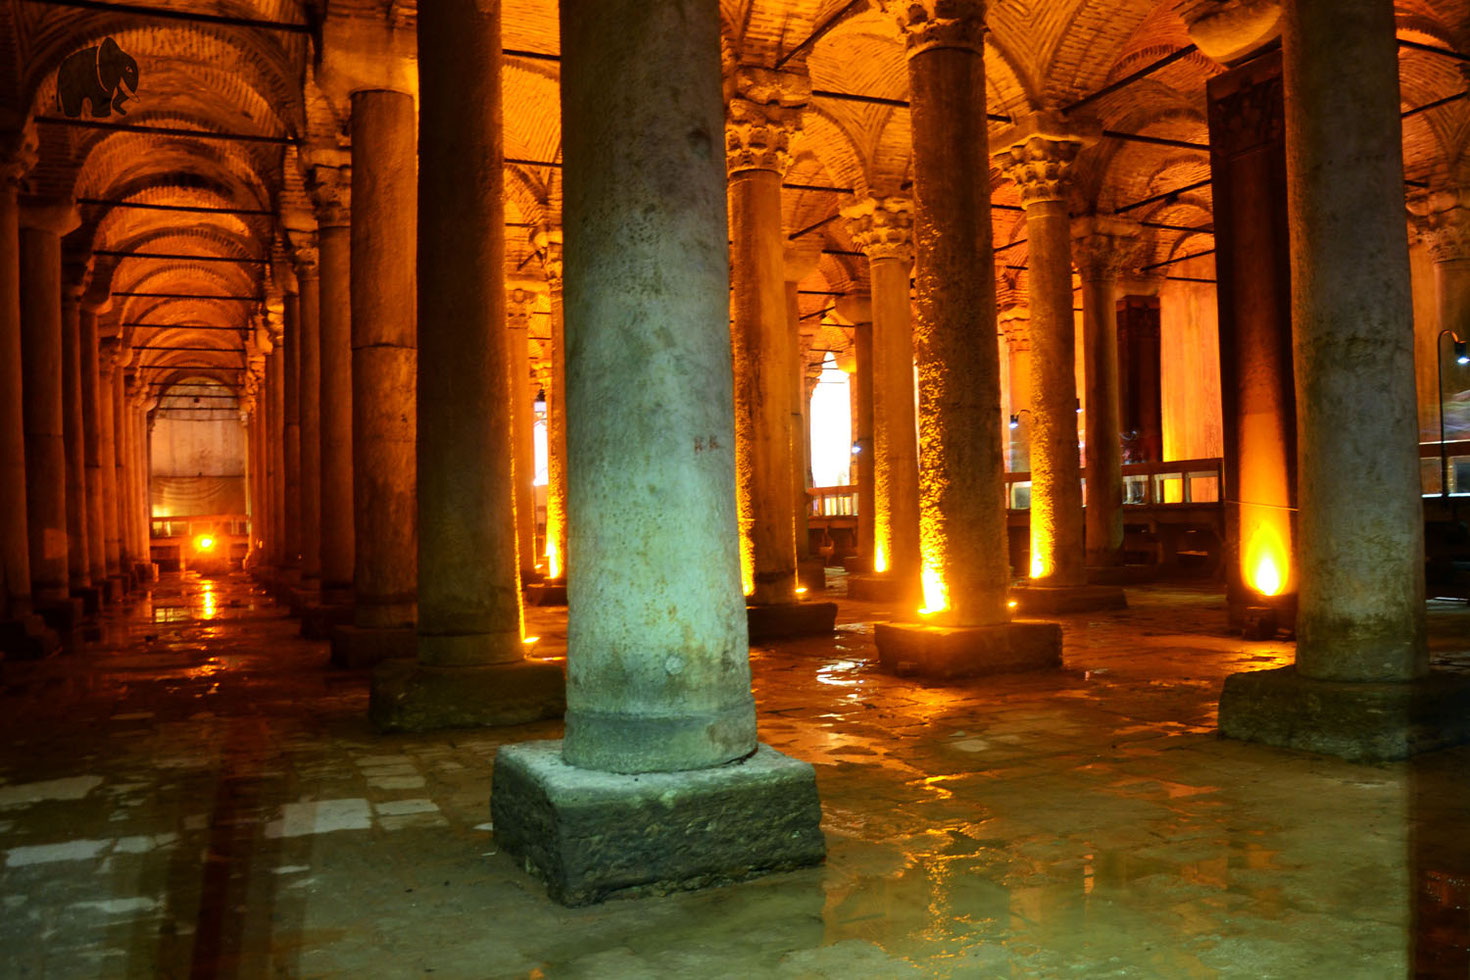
(216, 78)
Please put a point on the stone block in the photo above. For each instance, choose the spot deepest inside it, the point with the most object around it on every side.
(91, 599)
(1041, 600)
(27, 638)
(317, 622)
(64, 616)
(945, 652)
(811, 574)
(408, 696)
(857, 564)
(112, 589)
(873, 587)
(547, 593)
(1360, 722)
(788, 619)
(590, 835)
(355, 648)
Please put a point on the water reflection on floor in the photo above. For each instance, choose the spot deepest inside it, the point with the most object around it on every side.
(199, 794)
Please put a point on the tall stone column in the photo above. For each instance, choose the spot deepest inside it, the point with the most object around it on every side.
(78, 553)
(331, 193)
(1015, 327)
(120, 444)
(92, 439)
(291, 435)
(811, 568)
(309, 385)
(384, 367)
(275, 444)
(548, 241)
(962, 519)
(862, 440)
(41, 228)
(1102, 245)
(882, 228)
(1361, 685)
(762, 116)
(471, 667)
(15, 557)
(107, 369)
(1037, 154)
(649, 398)
(518, 308)
(143, 478)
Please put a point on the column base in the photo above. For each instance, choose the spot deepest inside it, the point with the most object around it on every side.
(1121, 574)
(408, 696)
(145, 573)
(64, 616)
(120, 585)
(811, 574)
(1043, 600)
(91, 599)
(27, 638)
(1360, 722)
(530, 576)
(857, 565)
(549, 592)
(355, 647)
(946, 652)
(302, 598)
(589, 834)
(788, 619)
(1260, 617)
(317, 622)
(874, 587)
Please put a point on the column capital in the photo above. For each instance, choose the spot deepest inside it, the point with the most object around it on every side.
(762, 116)
(19, 148)
(519, 305)
(301, 243)
(882, 227)
(60, 217)
(1037, 153)
(1103, 245)
(547, 239)
(330, 188)
(1229, 31)
(1442, 220)
(929, 24)
(1015, 324)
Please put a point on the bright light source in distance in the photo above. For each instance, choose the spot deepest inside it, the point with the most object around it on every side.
(204, 542)
(830, 411)
(531, 639)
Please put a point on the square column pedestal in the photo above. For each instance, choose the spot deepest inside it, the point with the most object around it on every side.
(780, 621)
(408, 696)
(27, 638)
(1040, 600)
(1360, 722)
(950, 652)
(548, 592)
(869, 586)
(590, 834)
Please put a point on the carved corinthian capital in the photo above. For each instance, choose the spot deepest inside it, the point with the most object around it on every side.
(1442, 220)
(1037, 153)
(18, 152)
(1104, 245)
(548, 242)
(882, 227)
(331, 194)
(928, 24)
(762, 117)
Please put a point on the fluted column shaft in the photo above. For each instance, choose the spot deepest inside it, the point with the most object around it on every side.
(1361, 613)
(42, 369)
(384, 358)
(961, 467)
(15, 556)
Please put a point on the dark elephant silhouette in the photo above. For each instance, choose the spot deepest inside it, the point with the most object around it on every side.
(105, 75)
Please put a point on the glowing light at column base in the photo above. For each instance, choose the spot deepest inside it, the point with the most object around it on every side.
(1265, 563)
(880, 557)
(553, 553)
(936, 592)
(1039, 568)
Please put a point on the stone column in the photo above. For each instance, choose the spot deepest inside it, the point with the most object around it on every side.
(548, 240)
(1361, 686)
(331, 192)
(1015, 327)
(862, 439)
(518, 308)
(658, 674)
(15, 557)
(811, 568)
(962, 519)
(42, 362)
(92, 438)
(291, 435)
(107, 442)
(78, 554)
(1102, 245)
(120, 444)
(309, 304)
(275, 441)
(1037, 154)
(384, 353)
(143, 479)
(882, 228)
(471, 667)
(762, 116)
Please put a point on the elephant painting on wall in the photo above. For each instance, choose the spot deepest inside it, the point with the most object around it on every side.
(105, 76)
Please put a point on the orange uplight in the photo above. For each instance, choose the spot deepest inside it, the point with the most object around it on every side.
(530, 639)
(1012, 604)
(801, 591)
(880, 557)
(1265, 563)
(553, 558)
(204, 543)
(1038, 563)
(936, 593)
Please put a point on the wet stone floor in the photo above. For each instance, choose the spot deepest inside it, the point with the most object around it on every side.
(200, 795)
